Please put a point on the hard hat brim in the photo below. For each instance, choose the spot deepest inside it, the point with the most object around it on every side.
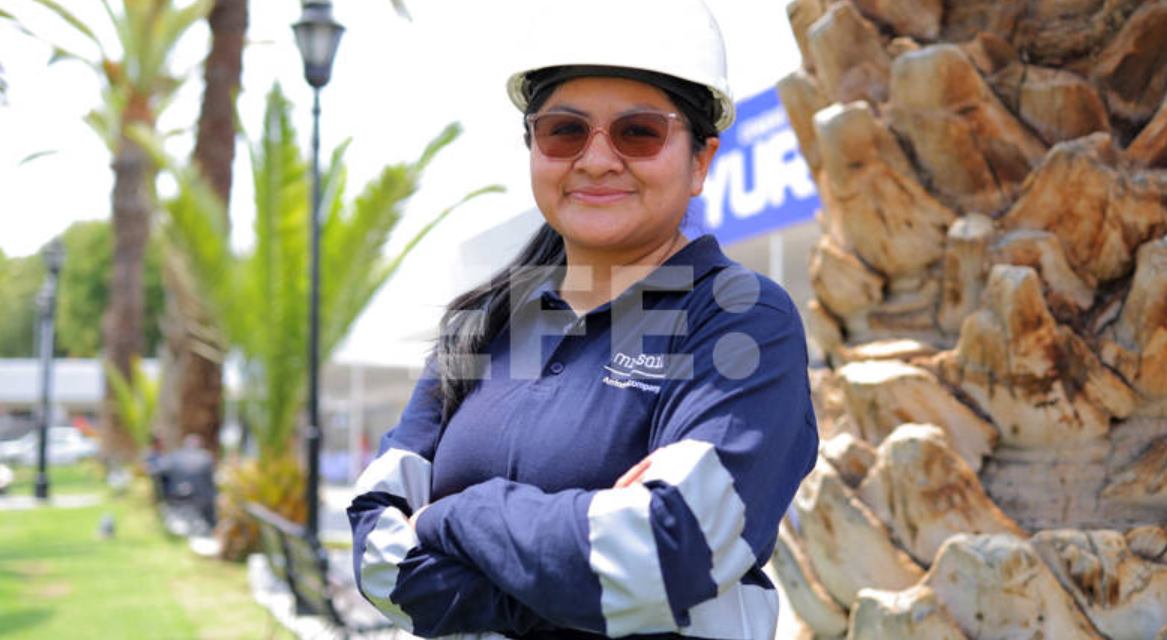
(519, 91)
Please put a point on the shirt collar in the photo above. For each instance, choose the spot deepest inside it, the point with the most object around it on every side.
(702, 255)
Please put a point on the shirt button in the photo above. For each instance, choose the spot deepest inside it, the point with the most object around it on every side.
(556, 368)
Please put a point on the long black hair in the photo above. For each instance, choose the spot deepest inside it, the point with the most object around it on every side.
(475, 318)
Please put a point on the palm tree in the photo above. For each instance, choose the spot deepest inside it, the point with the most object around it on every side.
(259, 298)
(994, 220)
(137, 87)
(194, 347)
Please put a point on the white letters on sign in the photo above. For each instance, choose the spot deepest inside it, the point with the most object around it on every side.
(777, 166)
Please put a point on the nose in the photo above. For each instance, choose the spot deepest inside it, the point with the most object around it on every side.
(598, 156)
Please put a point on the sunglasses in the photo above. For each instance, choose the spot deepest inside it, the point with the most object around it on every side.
(641, 134)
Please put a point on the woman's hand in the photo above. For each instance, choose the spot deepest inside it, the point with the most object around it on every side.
(413, 518)
(633, 475)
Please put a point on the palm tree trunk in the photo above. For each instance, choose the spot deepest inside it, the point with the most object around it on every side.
(122, 326)
(991, 292)
(196, 353)
(215, 146)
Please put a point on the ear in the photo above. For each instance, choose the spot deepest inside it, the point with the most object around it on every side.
(701, 163)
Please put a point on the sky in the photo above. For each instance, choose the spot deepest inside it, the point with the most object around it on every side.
(395, 85)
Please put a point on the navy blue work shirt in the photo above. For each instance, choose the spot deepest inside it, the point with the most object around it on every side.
(700, 365)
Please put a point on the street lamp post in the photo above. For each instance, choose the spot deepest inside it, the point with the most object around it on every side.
(47, 307)
(317, 36)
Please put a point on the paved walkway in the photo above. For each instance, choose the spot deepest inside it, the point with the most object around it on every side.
(333, 519)
(67, 501)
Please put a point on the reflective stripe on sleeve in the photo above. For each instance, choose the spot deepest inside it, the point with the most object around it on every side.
(400, 473)
(386, 546)
(624, 557)
(741, 612)
(407, 475)
(695, 469)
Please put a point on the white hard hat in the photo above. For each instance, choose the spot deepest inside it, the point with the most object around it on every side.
(678, 38)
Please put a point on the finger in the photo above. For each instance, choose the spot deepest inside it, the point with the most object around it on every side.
(413, 518)
(633, 475)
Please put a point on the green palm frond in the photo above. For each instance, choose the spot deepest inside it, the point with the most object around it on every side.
(72, 20)
(146, 32)
(196, 226)
(135, 400)
(260, 298)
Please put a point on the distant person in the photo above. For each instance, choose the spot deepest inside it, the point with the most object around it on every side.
(610, 429)
(190, 477)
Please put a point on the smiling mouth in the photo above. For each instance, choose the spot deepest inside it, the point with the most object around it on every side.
(598, 197)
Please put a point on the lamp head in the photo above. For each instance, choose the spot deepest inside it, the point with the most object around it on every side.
(317, 36)
(54, 255)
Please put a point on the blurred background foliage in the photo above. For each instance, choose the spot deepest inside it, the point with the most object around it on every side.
(82, 296)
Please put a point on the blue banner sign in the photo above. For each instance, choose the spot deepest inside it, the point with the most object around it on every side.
(759, 181)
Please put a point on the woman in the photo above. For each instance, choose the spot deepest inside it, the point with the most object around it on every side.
(612, 428)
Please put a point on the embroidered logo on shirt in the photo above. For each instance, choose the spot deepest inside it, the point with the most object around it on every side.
(628, 370)
(635, 384)
(645, 365)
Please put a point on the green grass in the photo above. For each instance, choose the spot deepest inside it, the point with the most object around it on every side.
(84, 477)
(59, 580)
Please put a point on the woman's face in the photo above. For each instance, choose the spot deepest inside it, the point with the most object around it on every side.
(600, 201)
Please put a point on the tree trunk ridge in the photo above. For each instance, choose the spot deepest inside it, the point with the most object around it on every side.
(991, 298)
(195, 356)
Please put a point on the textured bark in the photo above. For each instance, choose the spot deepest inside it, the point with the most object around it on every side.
(965, 266)
(912, 614)
(881, 395)
(852, 457)
(925, 493)
(1048, 33)
(193, 375)
(801, 98)
(1121, 592)
(215, 142)
(830, 405)
(993, 262)
(1058, 104)
(802, 14)
(848, 55)
(919, 19)
(1038, 381)
(895, 349)
(835, 525)
(973, 150)
(822, 327)
(1150, 147)
(842, 283)
(892, 222)
(998, 588)
(196, 378)
(1066, 293)
(1112, 208)
(1132, 70)
(123, 336)
(801, 585)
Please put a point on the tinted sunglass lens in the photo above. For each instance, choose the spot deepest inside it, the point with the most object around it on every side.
(561, 135)
(636, 135)
(640, 135)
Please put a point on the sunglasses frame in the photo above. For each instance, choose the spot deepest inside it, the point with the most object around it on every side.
(670, 117)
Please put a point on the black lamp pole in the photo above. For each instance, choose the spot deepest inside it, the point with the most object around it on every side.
(47, 306)
(317, 36)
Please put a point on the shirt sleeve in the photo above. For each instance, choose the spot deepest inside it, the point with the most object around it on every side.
(734, 435)
(421, 590)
